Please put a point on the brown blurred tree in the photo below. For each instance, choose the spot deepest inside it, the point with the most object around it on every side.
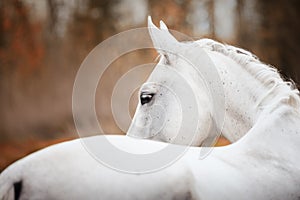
(21, 52)
(97, 22)
(271, 31)
(211, 18)
(20, 44)
(279, 34)
(246, 25)
(172, 12)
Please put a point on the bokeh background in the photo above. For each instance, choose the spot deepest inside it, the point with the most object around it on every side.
(43, 43)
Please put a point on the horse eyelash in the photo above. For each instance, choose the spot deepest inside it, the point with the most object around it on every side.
(163, 55)
(167, 59)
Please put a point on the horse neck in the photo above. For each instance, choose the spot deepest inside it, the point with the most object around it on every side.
(243, 96)
(275, 134)
(252, 90)
(239, 114)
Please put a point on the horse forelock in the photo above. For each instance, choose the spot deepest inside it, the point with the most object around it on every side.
(266, 74)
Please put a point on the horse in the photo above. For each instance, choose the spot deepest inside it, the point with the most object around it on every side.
(263, 164)
(159, 114)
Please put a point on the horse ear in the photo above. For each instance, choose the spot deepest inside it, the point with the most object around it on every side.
(162, 39)
(163, 26)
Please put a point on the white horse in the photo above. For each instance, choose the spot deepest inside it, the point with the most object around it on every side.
(264, 164)
(159, 113)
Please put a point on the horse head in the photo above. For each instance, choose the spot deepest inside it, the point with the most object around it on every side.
(174, 105)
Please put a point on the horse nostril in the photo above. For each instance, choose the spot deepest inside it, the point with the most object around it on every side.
(146, 98)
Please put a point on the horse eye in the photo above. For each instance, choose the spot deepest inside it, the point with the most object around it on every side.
(146, 98)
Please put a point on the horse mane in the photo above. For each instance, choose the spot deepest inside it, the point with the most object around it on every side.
(268, 75)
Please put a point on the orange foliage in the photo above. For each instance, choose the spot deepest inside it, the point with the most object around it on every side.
(21, 45)
(222, 142)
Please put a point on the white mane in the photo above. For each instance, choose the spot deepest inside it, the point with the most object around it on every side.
(268, 75)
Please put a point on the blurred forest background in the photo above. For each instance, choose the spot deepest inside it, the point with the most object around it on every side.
(43, 43)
